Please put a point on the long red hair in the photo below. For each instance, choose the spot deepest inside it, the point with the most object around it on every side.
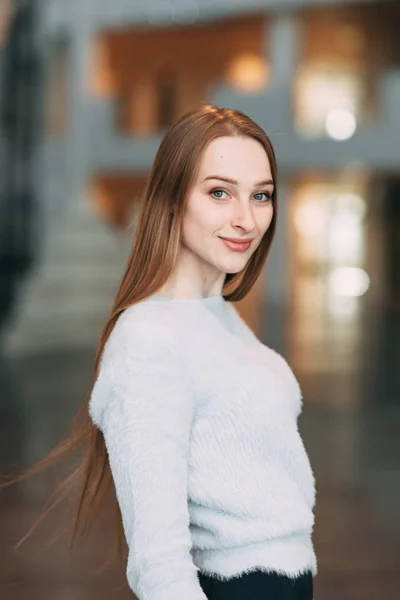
(151, 262)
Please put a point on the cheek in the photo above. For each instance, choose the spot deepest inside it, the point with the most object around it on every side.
(194, 229)
(201, 221)
(267, 218)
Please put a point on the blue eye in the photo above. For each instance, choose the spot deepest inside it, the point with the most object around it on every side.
(217, 191)
(218, 194)
(268, 196)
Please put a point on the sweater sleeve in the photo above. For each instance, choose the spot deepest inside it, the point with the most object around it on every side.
(146, 421)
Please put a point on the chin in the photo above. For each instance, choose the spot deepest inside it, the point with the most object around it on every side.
(234, 266)
(232, 271)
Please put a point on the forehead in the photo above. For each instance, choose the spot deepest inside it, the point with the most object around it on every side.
(240, 158)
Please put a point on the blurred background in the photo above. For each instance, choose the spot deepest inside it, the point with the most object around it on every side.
(87, 89)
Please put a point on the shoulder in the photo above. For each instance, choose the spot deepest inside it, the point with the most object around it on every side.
(142, 351)
(147, 326)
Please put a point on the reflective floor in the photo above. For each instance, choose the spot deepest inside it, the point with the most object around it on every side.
(353, 446)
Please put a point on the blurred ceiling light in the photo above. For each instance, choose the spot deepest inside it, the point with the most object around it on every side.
(352, 202)
(248, 73)
(321, 90)
(340, 124)
(345, 237)
(309, 218)
(349, 281)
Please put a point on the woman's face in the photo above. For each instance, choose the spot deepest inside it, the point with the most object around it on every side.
(231, 198)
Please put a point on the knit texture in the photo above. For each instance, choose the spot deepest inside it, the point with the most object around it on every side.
(200, 423)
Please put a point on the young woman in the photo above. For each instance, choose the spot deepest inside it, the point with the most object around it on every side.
(191, 417)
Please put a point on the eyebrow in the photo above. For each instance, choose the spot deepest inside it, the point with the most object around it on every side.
(234, 182)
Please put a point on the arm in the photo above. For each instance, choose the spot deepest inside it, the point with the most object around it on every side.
(146, 426)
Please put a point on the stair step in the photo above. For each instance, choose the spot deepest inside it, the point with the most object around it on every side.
(65, 302)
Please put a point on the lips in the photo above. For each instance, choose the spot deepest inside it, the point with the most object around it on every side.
(238, 240)
(235, 246)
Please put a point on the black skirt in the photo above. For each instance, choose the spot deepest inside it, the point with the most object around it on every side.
(258, 585)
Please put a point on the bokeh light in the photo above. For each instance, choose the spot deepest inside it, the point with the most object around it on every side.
(340, 124)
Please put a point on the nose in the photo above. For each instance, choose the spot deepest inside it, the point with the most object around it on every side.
(243, 216)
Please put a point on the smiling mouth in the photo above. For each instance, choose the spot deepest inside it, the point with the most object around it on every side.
(237, 246)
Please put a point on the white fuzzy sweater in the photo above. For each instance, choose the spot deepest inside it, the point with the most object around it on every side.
(200, 423)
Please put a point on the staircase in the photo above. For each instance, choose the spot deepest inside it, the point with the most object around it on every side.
(65, 300)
